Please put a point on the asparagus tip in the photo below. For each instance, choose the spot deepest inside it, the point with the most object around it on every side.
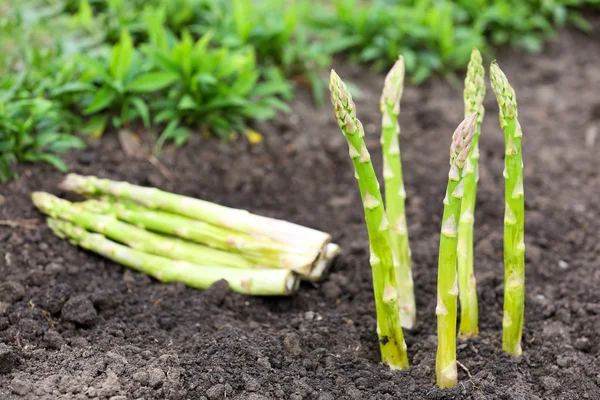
(393, 86)
(461, 141)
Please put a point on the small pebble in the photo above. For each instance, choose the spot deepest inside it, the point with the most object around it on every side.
(216, 391)
(562, 264)
(291, 342)
(20, 387)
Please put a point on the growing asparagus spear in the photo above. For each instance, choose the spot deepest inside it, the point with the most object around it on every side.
(514, 214)
(395, 194)
(136, 237)
(298, 236)
(258, 282)
(473, 95)
(445, 367)
(259, 250)
(389, 330)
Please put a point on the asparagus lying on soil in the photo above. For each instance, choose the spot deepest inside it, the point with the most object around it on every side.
(313, 241)
(136, 237)
(322, 265)
(445, 367)
(259, 250)
(395, 194)
(389, 330)
(473, 96)
(259, 282)
(514, 214)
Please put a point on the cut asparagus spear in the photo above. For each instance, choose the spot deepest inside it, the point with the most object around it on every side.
(258, 282)
(514, 214)
(230, 218)
(473, 96)
(324, 263)
(136, 237)
(445, 366)
(395, 194)
(389, 330)
(260, 250)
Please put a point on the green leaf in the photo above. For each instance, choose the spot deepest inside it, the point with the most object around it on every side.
(71, 87)
(142, 110)
(95, 126)
(51, 159)
(103, 98)
(187, 103)
(152, 81)
(121, 56)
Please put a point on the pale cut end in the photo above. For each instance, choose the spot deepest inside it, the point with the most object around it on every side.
(393, 86)
(461, 141)
(448, 376)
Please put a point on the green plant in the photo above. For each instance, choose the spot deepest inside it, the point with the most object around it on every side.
(121, 78)
(447, 293)
(389, 329)
(33, 129)
(214, 88)
(395, 195)
(474, 93)
(514, 214)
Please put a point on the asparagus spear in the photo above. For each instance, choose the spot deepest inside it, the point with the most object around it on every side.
(295, 235)
(258, 249)
(258, 282)
(445, 367)
(389, 330)
(332, 250)
(514, 214)
(136, 237)
(473, 96)
(395, 194)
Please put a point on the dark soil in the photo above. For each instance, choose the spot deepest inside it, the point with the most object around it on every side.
(76, 326)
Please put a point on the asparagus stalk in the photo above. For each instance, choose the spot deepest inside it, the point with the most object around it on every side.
(136, 237)
(395, 194)
(473, 96)
(445, 367)
(389, 329)
(257, 249)
(313, 241)
(258, 282)
(514, 214)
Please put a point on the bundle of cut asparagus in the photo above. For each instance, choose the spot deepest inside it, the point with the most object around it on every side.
(177, 238)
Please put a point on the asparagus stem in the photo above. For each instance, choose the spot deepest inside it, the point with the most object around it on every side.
(473, 95)
(514, 214)
(258, 282)
(395, 194)
(257, 249)
(313, 241)
(136, 237)
(445, 367)
(389, 329)
(332, 250)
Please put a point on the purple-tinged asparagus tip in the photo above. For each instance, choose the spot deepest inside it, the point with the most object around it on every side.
(461, 141)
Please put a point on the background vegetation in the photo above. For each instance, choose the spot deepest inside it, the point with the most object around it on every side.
(70, 68)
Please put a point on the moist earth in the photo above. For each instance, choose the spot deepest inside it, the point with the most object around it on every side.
(76, 326)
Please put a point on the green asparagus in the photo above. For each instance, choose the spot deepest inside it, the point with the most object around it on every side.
(445, 367)
(389, 329)
(258, 282)
(257, 249)
(473, 96)
(514, 214)
(313, 241)
(136, 237)
(395, 194)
